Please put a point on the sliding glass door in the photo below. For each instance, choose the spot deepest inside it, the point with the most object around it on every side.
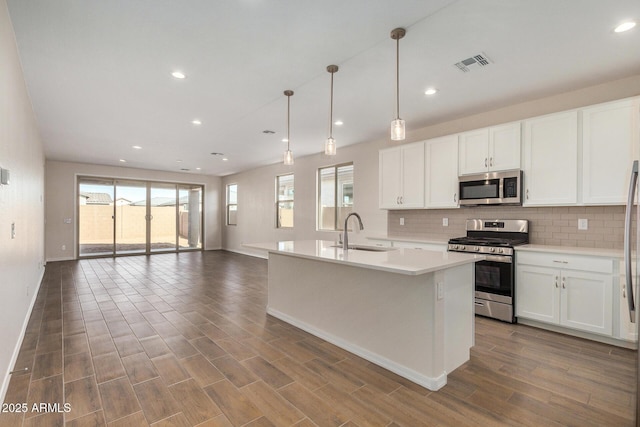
(163, 217)
(95, 217)
(124, 217)
(131, 213)
(189, 217)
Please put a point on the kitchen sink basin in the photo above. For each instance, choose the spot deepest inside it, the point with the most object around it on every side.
(367, 248)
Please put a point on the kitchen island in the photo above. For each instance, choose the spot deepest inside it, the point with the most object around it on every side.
(408, 310)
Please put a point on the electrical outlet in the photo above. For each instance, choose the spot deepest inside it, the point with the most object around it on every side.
(445, 222)
(401, 221)
(63, 247)
(440, 288)
(583, 224)
(13, 230)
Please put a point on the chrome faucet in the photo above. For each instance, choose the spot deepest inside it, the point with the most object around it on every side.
(345, 241)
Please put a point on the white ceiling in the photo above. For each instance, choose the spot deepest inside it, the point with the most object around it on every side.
(98, 72)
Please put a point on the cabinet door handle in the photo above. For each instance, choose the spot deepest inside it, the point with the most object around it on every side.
(490, 161)
(556, 281)
(624, 291)
(397, 200)
(560, 262)
(527, 194)
(563, 285)
(401, 199)
(485, 162)
(455, 197)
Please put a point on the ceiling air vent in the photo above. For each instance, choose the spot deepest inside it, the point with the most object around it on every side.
(472, 63)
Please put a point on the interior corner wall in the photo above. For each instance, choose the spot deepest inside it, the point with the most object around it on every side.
(61, 202)
(21, 202)
(256, 200)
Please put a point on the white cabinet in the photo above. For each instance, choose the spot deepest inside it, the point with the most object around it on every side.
(401, 177)
(610, 143)
(567, 290)
(490, 149)
(551, 160)
(441, 174)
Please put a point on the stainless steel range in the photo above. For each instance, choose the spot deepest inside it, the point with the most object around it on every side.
(495, 277)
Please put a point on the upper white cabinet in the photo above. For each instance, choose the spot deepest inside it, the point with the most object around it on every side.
(551, 160)
(401, 177)
(610, 143)
(441, 174)
(490, 149)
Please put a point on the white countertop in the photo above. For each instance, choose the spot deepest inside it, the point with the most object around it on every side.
(398, 260)
(572, 250)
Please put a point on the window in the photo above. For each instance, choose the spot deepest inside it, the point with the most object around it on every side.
(284, 201)
(335, 196)
(232, 204)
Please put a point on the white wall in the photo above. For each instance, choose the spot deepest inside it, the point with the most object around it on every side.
(256, 188)
(256, 199)
(21, 202)
(61, 202)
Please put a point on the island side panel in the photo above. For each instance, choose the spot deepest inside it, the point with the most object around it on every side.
(393, 320)
(459, 314)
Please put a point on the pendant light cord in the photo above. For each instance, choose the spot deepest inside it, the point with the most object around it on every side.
(398, 78)
(331, 110)
(288, 119)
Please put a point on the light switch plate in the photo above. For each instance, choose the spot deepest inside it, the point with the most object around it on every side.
(445, 222)
(5, 176)
(583, 224)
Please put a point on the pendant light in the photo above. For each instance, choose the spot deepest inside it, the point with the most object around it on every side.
(330, 143)
(397, 125)
(288, 155)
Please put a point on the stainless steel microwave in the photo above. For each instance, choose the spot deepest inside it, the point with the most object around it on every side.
(492, 188)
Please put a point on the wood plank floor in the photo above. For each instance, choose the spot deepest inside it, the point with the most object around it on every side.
(184, 340)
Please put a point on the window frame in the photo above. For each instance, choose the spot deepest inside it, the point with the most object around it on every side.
(336, 167)
(229, 205)
(278, 201)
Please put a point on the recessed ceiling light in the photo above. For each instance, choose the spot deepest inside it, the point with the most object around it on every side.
(123, 161)
(625, 26)
(224, 159)
(198, 169)
(285, 140)
(196, 122)
(178, 161)
(338, 123)
(137, 147)
(430, 91)
(179, 75)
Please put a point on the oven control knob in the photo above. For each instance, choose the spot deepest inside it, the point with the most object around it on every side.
(501, 250)
(453, 247)
(477, 249)
(492, 249)
(463, 247)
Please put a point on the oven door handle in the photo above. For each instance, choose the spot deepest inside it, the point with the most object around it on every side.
(499, 258)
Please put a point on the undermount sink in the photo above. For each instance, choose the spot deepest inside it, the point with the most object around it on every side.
(367, 248)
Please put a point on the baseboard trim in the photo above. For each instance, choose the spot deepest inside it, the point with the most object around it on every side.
(16, 350)
(253, 254)
(432, 383)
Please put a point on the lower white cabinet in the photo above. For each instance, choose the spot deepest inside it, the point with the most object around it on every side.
(571, 291)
